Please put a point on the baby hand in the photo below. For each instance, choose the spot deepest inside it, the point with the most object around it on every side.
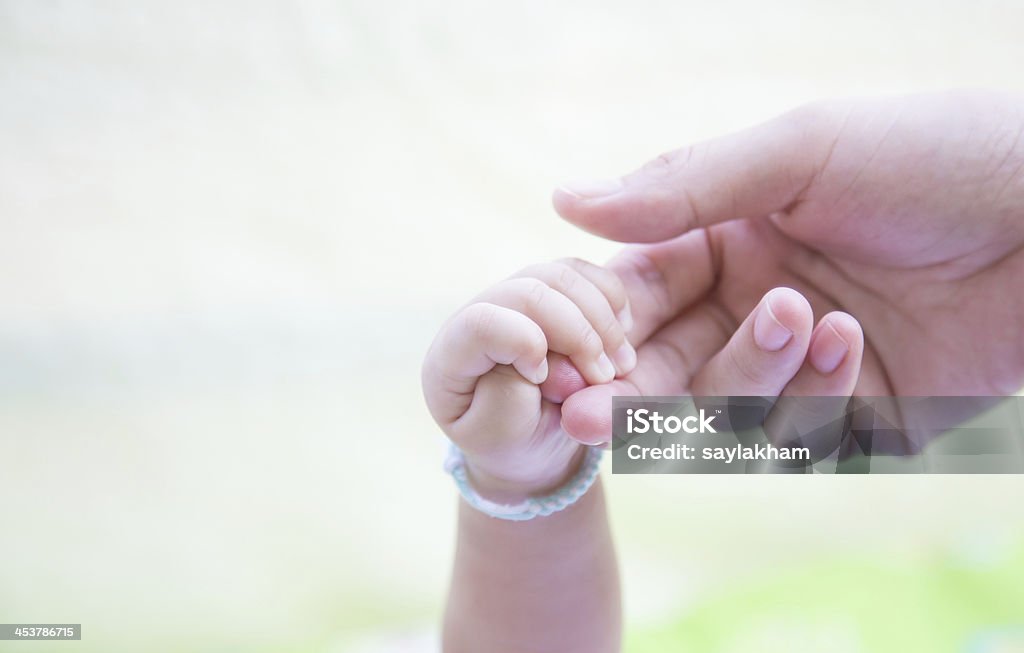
(496, 374)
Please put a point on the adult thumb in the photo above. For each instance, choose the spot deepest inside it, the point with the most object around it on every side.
(751, 173)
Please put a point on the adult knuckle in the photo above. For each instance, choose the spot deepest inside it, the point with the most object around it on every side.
(815, 123)
(667, 163)
(654, 280)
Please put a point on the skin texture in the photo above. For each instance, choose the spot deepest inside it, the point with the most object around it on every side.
(495, 379)
(766, 252)
(907, 213)
(492, 380)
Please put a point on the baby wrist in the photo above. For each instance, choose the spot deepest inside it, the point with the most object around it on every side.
(506, 486)
(519, 501)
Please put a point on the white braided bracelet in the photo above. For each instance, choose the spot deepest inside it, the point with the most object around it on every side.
(560, 499)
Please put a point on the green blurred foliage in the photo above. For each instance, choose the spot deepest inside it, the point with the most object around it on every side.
(939, 605)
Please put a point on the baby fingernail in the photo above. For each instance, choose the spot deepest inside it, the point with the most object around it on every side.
(769, 333)
(604, 364)
(541, 374)
(828, 349)
(625, 358)
(593, 188)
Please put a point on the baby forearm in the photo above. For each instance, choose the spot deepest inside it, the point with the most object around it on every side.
(548, 584)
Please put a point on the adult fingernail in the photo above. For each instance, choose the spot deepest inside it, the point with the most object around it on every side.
(625, 358)
(626, 318)
(769, 333)
(604, 364)
(593, 188)
(828, 349)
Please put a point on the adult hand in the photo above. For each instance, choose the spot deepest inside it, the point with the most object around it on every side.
(907, 213)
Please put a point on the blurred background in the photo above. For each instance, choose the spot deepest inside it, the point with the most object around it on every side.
(228, 232)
